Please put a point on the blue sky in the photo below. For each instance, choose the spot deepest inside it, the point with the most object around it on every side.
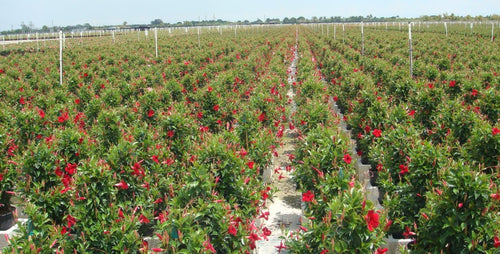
(112, 12)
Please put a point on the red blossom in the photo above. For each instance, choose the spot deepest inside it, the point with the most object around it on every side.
(155, 158)
(208, 246)
(381, 251)
(70, 221)
(347, 158)
(474, 92)
(122, 185)
(232, 230)
(280, 247)
(377, 133)
(495, 196)
(372, 220)
(170, 133)
(496, 243)
(266, 232)
(143, 219)
(21, 101)
(70, 168)
(77, 101)
(307, 196)
(408, 232)
(262, 117)
(403, 169)
(495, 131)
(250, 164)
(41, 113)
(216, 107)
(452, 83)
(151, 113)
(63, 117)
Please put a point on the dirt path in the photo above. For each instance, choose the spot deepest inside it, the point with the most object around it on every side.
(285, 208)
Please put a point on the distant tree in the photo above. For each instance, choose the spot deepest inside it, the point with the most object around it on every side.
(124, 23)
(157, 22)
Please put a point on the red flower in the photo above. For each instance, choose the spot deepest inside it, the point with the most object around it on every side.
(262, 117)
(266, 232)
(1, 177)
(408, 232)
(232, 230)
(497, 242)
(157, 249)
(155, 158)
(41, 113)
(21, 101)
(77, 101)
(280, 247)
(474, 92)
(122, 185)
(151, 113)
(452, 83)
(143, 219)
(381, 251)
(170, 133)
(250, 164)
(347, 159)
(372, 220)
(377, 133)
(209, 89)
(495, 196)
(63, 117)
(216, 107)
(2, 71)
(64, 230)
(208, 246)
(495, 131)
(70, 221)
(403, 169)
(70, 168)
(411, 113)
(307, 196)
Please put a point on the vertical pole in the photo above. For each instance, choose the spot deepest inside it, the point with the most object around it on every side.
(386, 26)
(446, 29)
(156, 42)
(60, 58)
(471, 27)
(37, 43)
(492, 31)
(362, 40)
(411, 50)
(334, 32)
(343, 33)
(236, 26)
(113, 34)
(199, 42)
(327, 31)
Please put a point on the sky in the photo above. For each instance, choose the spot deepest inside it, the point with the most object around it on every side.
(115, 12)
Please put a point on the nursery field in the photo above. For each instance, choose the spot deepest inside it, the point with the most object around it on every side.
(167, 149)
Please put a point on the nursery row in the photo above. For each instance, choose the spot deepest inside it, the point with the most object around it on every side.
(432, 140)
